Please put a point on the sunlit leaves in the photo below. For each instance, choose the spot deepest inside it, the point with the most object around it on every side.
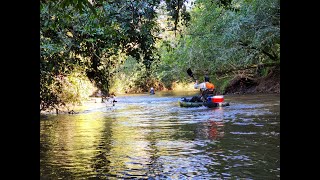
(224, 35)
(98, 32)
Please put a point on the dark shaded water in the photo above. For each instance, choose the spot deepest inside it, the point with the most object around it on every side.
(146, 136)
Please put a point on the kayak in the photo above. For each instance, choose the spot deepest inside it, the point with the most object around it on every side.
(198, 104)
(215, 101)
(211, 105)
(183, 103)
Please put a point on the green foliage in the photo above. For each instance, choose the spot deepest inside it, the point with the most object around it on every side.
(76, 88)
(224, 35)
(178, 13)
(221, 84)
(95, 35)
(132, 77)
(125, 46)
(126, 76)
(77, 33)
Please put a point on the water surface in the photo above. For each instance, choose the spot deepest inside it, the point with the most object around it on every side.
(150, 137)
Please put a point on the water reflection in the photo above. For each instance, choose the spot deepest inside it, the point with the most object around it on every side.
(216, 131)
(152, 137)
(72, 144)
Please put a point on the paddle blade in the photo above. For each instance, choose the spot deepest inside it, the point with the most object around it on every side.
(190, 72)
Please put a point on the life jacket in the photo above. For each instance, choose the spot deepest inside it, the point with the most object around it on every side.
(209, 86)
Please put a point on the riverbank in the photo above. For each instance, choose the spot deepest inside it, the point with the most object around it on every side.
(86, 106)
(259, 85)
(269, 84)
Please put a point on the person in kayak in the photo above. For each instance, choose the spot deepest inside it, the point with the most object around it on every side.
(152, 90)
(206, 89)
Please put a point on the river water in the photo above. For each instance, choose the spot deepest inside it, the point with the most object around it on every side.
(150, 137)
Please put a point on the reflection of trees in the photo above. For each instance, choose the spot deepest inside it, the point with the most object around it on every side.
(97, 146)
(71, 141)
(127, 155)
(154, 166)
(100, 163)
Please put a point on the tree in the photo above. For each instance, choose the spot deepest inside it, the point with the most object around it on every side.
(91, 35)
(225, 35)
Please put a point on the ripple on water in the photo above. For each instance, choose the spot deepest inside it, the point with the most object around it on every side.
(152, 137)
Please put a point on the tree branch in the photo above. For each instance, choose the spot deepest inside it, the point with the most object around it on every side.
(246, 45)
(221, 72)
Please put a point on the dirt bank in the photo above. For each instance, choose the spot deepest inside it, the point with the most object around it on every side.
(267, 84)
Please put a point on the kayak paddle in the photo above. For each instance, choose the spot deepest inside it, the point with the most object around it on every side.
(190, 74)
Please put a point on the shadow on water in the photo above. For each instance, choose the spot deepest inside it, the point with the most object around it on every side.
(152, 137)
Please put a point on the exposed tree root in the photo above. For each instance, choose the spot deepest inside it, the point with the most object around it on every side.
(244, 84)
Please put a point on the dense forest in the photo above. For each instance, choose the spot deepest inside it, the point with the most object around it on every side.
(126, 46)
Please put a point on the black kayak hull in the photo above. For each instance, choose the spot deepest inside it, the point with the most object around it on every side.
(190, 104)
(183, 103)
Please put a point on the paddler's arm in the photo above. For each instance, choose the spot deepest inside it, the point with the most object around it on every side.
(196, 85)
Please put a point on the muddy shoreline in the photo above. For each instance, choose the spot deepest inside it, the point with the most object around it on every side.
(269, 84)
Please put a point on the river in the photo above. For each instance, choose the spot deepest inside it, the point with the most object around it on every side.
(150, 137)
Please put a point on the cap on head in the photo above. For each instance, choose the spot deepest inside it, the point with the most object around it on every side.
(206, 79)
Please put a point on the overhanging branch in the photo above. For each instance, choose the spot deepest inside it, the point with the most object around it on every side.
(229, 70)
(246, 45)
